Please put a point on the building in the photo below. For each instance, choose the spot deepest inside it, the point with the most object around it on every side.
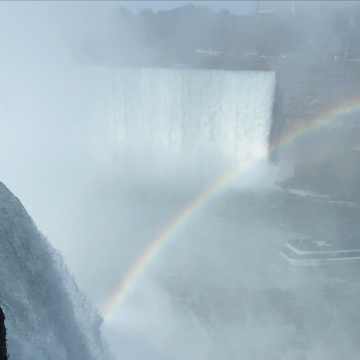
(271, 6)
(209, 52)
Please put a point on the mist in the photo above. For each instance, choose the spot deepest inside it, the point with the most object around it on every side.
(111, 124)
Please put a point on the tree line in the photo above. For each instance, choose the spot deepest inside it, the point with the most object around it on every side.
(174, 36)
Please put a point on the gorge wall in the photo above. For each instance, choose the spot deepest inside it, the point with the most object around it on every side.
(326, 160)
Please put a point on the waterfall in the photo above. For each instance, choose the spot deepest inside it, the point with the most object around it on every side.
(171, 120)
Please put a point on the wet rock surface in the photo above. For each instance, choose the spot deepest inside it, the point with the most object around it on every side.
(326, 160)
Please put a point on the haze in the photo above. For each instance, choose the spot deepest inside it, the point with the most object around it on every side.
(113, 117)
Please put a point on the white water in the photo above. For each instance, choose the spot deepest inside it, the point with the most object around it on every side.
(163, 121)
(46, 316)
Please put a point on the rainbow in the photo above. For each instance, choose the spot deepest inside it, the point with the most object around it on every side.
(324, 118)
(194, 204)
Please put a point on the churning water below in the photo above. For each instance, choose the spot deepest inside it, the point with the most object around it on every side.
(220, 290)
